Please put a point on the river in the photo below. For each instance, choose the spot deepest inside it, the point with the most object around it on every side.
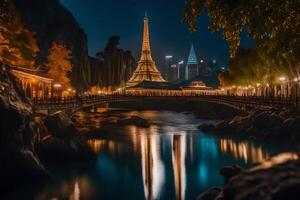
(170, 160)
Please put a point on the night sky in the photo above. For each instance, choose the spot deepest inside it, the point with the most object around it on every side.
(168, 34)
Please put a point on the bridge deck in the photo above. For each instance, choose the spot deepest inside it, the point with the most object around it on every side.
(237, 102)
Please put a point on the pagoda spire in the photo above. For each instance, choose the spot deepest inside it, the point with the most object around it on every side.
(146, 69)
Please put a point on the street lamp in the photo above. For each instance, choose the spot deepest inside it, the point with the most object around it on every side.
(57, 87)
(178, 71)
(282, 79)
(167, 66)
(297, 81)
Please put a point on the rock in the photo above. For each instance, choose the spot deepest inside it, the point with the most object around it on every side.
(266, 181)
(19, 163)
(274, 179)
(263, 124)
(274, 120)
(57, 150)
(230, 171)
(64, 142)
(259, 121)
(214, 193)
(223, 127)
(289, 190)
(206, 127)
(284, 114)
(61, 126)
(134, 120)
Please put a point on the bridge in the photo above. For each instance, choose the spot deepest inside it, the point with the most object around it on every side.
(242, 103)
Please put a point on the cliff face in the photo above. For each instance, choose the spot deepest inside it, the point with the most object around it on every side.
(53, 22)
(18, 135)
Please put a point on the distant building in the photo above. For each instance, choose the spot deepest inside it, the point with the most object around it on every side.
(172, 74)
(213, 65)
(167, 67)
(204, 70)
(181, 69)
(191, 69)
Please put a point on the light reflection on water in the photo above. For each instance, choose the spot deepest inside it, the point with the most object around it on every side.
(246, 151)
(169, 160)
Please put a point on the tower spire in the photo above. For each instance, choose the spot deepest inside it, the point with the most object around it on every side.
(146, 39)
(146, 15)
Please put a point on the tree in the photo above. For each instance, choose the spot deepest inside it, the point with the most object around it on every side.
(274, 25)
(59, 64)
(17, 44)
(255, 65)
(115, 64)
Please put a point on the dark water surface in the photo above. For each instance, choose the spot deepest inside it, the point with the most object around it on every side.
(169, 160)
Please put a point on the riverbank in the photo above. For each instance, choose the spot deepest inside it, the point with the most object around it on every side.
(275, 179)
(262, 124)
(278, 178)
(28, 141)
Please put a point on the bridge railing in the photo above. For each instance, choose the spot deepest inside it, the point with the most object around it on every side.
(78, 101)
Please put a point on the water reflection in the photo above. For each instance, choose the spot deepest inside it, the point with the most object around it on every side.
(276, 160)
(152, 166)
(246, 151)
(76, 192)
(169, 160)
(189, 152)
(178, 160)
(99, 145)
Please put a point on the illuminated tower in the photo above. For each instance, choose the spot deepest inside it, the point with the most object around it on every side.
(191, 69)
(146, 69)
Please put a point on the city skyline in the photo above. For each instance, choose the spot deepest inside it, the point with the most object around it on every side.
(169, 35)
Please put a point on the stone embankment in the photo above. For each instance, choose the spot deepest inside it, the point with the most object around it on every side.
(263, 124)
(275, 179)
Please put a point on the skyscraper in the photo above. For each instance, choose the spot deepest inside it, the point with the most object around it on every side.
(191, 69)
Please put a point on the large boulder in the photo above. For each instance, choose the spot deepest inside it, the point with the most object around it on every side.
(259, 121)
(57, 150)
(230, 171)
(214, 193)
(61, 126)
(223, 127)
(274, 179)
(134, 120)
(270, 180)
(64, 142)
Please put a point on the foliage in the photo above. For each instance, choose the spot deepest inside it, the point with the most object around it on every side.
(17, 44)
(59, 65)
(114, 65)
(255, 65)
(273, 24)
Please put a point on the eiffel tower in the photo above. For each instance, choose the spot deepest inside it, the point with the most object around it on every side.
(146, 69)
